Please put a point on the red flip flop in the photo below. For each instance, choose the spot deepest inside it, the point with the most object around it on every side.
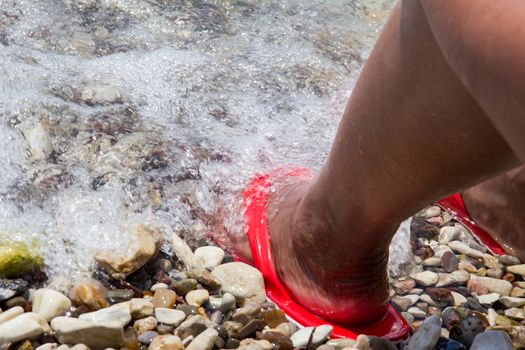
(454, 204)
(393, 326)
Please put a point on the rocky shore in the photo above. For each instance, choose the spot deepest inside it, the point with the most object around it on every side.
(458, 296)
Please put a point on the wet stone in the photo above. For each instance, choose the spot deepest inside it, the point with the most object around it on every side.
(232, 328)
(492, 340)
(380, 343)
(279, 341)
(246, 313)
(204, 277)
(232, 343)
(509, 260)
(188, 309)
(164, 298)
(182, 287)
(250, 328)
(119, 295)
(192, 326)
(441, 296)
(145, 325)
(427, 335)
(473, 304)
(16, 301)
(274, 317)
(162, 329)
(147, 337)
(509, 277)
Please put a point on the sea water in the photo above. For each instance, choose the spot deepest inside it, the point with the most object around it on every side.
(121, 112)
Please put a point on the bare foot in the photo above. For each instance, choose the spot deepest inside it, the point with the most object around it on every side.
(333, 274)
(497, 205)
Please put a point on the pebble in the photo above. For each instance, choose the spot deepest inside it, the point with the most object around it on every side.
(183, 286)
(517, 292)
(517, 269)
(301, 338)
(207, 257)
(166, 342)
(197, 297)
(118, 314)
(477, 287)
(240, 279)
(405, 286)
(247, 313)
(11, 313)
(491, 340)
(181, 249)
(431, 212)
(340, 344)
(279, 341)
(509, 260)
(204, 277)
(427, 335)
(448, 234)
(463, 248)
(145, 325)
(250, 328)
(165, 298)
(432, 261)
(147, 337)
(89, 294)
(425, 278)
(408, 317)
(377, 343)
(495, 273)
(16, 301)
(512, 301)
(25, 326)
(158, 286)
(95, 336)
(441, 296)
(119, 295)
(458, 299)
(469, 328)
(49, 303)
(488, 299)
(140, 308)
(416, 312)
(204, 341)
(170, 317)
(449, 262)
(494, 285)
(193, 326)
(515, 313)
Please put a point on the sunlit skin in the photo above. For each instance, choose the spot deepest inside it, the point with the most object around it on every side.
(434, 111)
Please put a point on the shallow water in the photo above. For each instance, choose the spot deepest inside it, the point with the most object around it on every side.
(118, 112)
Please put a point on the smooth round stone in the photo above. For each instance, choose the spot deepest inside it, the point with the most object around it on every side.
(247, 313)
(166, 342)
(517, 269)
(89, 294)
(494, 285)
(49, 303)
(495, 273)
(250, 328)
(183, 286)
(118, 313)
(287, 328)
(441, 296)
(240, 279)
(301, 338)
(11, 313)
(469, 328)
(431, 212)
(517, 292)
(193, 326)
(463, 248)
(408, 317)
(164, 265)
(170, 316)
(147, 337)
(448, 233)
(25, 326)
(427, 335)
(509, 260)
(197, 297)
(380, 343)
(158, 286)
(207, 257)
(432, 261)
(491, 340)
(458, 299)
(164, 329)
(325, 347)
(515, 314)
(512, 301)
(164, 298)
(47, 346)
(79, 347)
(145, 325)
(454, 345)
(204, 341)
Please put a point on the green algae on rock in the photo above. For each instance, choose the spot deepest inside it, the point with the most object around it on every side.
(17, 258)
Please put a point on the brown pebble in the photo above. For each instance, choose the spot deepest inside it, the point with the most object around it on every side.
(449, 261)
(90, 294)
(434, 310)
(441, 296)
(16, 301)
(274, 317)
(278, 340)
(250, 328)
(495, 273)
(164, 298)
(509, 277)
